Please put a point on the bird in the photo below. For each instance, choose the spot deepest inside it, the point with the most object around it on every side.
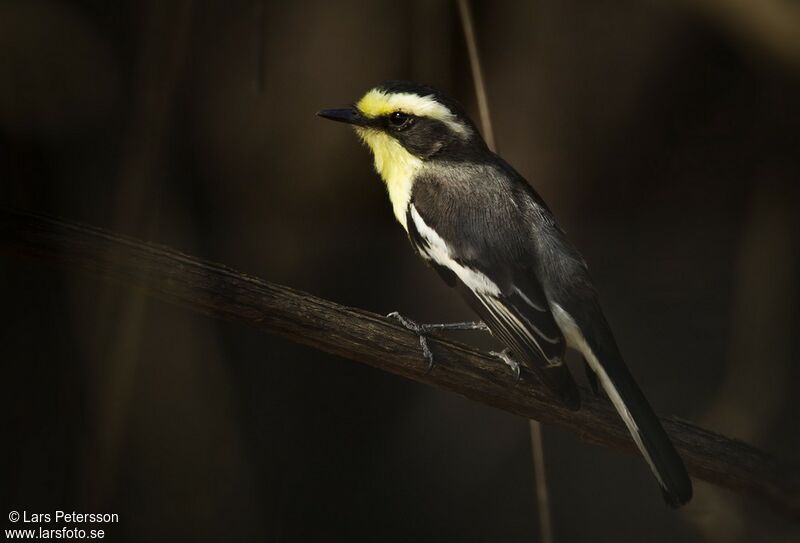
(489, 234)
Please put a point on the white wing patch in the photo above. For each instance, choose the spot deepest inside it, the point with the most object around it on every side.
(439, 252)
(576, 340)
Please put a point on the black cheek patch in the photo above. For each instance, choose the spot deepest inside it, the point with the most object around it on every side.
(425, 137)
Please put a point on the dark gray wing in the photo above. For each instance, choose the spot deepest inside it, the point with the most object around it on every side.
(499, 284)
(520, 329)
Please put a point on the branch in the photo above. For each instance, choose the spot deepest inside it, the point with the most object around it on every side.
(221, 292)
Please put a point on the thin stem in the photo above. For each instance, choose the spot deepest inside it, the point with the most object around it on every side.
(540, 474)
(477, 74)
(537, 445)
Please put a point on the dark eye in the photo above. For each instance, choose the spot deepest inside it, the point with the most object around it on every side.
(399, 119)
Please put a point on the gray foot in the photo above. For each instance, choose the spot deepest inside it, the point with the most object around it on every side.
(505, 356)
(423, 330)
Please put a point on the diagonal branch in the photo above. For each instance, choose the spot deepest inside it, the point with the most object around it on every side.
(221, 292)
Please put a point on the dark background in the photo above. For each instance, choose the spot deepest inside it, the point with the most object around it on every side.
(664, 135)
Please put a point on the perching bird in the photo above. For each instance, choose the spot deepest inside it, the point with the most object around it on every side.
(489, 234)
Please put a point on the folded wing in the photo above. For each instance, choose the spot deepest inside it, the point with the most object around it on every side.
(511, 303)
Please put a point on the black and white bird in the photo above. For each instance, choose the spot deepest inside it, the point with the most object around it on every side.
(489, 234)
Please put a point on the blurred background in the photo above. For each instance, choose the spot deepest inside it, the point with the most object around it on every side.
(664, 135)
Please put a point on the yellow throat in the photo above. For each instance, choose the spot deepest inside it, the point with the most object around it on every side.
(396, 166)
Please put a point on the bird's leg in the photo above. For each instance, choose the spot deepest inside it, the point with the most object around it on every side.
(417, 329)
(458, 326)
(423, 330)
(505, 356)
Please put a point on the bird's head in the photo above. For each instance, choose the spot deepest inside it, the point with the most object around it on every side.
(400, 118)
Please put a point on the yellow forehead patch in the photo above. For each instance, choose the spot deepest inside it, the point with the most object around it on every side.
(377, 103)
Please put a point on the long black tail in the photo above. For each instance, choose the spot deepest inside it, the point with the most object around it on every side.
(601, 352)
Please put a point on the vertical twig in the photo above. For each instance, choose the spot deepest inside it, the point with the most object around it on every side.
(477, 74)
(540, 476)
(537, 445)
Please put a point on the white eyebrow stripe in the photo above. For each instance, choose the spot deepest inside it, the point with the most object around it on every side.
(377, 102)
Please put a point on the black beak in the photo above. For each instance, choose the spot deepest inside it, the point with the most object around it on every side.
(349, 115)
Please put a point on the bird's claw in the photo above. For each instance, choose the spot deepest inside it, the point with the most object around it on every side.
(421, 332)
(424, 330)
(505, 356)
